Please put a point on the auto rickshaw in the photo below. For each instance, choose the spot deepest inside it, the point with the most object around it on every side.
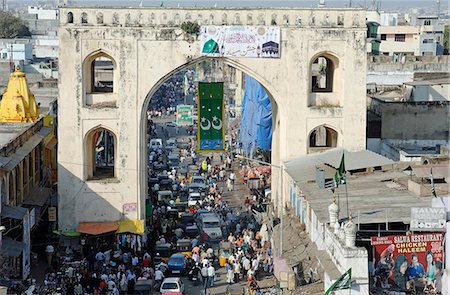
(224, 252)
(164, 250)
(184, 246)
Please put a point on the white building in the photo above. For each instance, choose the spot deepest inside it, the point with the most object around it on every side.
(41, 13)
(17, 52)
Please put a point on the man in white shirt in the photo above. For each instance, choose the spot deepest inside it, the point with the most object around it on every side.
(159, 276)
(211, 275)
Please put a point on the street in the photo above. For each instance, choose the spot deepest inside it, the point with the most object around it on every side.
(234, 199)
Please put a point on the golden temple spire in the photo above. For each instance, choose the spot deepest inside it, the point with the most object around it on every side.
(18, 103)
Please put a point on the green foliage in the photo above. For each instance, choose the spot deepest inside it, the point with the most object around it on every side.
(447, 37)
(190, 28)
(12, 26)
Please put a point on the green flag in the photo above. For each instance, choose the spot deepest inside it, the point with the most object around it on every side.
(336, 179)
(342, 171)
(210, 117)
(343, 282)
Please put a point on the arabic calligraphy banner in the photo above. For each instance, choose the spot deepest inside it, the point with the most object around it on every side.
(240, 41)
(210, 135)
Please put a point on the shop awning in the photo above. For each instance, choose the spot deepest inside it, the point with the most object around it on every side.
(13, 212)
(11, 248)
(67, 233)
(131, 226)
(97, 228)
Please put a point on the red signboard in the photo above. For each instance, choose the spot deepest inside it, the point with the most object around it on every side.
(408, 262)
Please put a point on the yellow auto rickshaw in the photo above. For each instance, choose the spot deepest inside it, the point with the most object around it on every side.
(164, 250)
(184, 246)
(225, 249)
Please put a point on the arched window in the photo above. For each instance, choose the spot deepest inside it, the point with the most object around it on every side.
(322, 74)
(70, 18)
(101, 74)
(99, 18)
(322, 138)
(100, 152)
(84, 19)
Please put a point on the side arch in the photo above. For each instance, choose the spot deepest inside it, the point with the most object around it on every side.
(107, 93)
(89, 153)
(323, 137)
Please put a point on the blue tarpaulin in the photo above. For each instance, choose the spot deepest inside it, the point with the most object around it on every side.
(256, 121)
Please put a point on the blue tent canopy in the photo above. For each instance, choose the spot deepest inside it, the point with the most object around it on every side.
(256, 121)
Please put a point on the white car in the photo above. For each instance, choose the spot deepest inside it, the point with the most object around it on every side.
(194, 198)
(172, 285)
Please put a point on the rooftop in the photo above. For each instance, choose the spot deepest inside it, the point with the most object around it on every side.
(429, 82)
(373, 198)
(10, 131)
(303, 169)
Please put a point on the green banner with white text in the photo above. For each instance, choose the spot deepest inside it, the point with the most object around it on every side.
(211, 132)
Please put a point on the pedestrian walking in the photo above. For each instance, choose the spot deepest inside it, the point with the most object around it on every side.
(204, 272)
(230, 273)
(49, 251)
(211, 275)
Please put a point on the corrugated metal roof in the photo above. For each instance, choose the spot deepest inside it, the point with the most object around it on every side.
(13, 212)
(24, 150)
(304, 168)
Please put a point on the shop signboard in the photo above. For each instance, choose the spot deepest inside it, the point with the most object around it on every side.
(185, 115)
(428, 219)
(26, 246)
(240, 41)
(51, 213)
(211, 132)
(401, 261)
(129, 207)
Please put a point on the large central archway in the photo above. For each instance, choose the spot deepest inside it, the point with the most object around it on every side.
(143, 155)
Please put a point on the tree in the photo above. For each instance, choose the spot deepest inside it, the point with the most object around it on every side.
(11, 26)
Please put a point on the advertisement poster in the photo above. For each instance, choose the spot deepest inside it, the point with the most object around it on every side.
(211, 132)
(185, 115)
(408, 262)
(26, 246)
(240, 41)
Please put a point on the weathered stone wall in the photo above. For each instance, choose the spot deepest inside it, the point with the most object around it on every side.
(147, 46)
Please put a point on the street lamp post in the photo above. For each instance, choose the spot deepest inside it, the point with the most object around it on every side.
(280, 199)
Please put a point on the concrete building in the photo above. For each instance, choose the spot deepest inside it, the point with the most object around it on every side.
(16, 52)
(42, 13)
(379, 197)
(410, 123)
(27, 172)
(146, 45)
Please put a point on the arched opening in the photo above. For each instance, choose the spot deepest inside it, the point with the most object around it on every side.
(84, 18)
(324, 79)
(99, 18)
(162, 102)
(100, 151)
(70, 18)
(99, 72)
(322, 74)
(322, 138)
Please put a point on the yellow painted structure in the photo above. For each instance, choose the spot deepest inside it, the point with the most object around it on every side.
(18, 103)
